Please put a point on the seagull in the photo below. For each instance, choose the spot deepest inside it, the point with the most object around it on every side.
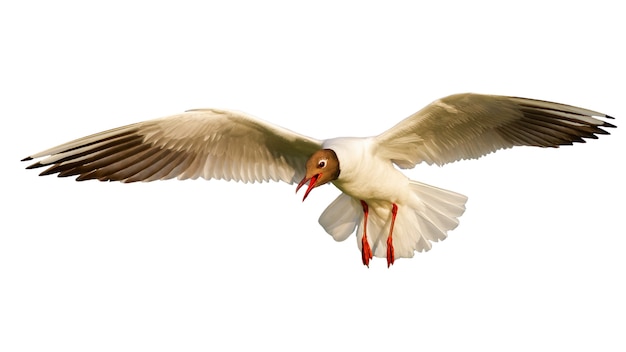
(393, 215)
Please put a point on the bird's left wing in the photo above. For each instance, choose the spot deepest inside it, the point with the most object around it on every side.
(205, 143)
(467, 126)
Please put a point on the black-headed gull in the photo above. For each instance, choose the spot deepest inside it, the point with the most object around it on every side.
(395, 216)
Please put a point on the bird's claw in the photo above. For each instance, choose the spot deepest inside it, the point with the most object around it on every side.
(366, 252)
(390, 253)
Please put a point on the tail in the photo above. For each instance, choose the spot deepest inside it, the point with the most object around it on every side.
(436, 211)
(427, 216)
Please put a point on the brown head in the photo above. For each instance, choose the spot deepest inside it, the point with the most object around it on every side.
(322, 167)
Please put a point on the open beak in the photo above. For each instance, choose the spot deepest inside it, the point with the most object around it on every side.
(312, 182)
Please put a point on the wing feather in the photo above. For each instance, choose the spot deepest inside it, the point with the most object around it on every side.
(468, 126)
(207, 143)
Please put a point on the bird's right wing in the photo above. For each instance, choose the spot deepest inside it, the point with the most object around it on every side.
(207, 143)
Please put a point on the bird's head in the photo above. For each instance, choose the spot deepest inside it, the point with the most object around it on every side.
(322, 167)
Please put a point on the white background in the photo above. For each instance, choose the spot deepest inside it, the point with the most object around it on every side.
(537, 262)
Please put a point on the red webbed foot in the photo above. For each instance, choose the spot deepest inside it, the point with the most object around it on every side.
(366, 252)
(390, 254)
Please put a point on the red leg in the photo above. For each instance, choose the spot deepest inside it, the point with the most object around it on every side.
(366, 251)
(390, 254)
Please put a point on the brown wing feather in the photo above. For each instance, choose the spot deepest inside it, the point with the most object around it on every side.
(199, 143)
(466, 126)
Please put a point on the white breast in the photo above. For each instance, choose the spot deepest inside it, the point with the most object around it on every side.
(364, 174)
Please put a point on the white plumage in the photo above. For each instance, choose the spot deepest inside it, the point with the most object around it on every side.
(394, 216)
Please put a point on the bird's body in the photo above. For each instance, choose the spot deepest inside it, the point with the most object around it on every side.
(362, 170)
(425, 213)
(394, 216)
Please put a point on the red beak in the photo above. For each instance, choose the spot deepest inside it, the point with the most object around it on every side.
(312, 182)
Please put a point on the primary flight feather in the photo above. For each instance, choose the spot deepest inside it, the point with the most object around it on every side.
(395, 216)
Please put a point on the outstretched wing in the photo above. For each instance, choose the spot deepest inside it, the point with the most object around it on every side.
(468, 126)
(205, 143)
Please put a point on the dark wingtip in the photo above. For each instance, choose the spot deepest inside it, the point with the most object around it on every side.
(92, 175)
(34, 166)
(84, 178)
(27, 158)
(609, 125)
(609, 117)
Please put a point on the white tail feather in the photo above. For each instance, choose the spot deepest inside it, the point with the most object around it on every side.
(341, 217)
(427, 216)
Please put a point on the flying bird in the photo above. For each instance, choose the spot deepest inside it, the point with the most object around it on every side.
(393, 215)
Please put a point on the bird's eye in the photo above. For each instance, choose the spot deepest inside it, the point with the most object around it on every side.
(321, 164)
